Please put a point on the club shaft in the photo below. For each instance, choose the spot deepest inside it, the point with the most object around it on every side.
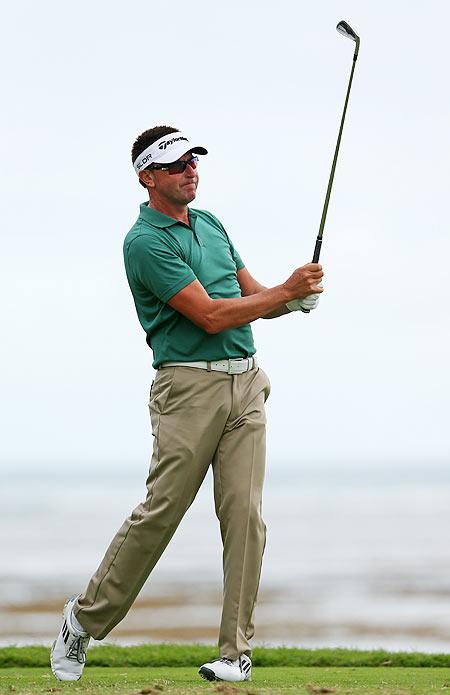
(333, 167)
(318, 245)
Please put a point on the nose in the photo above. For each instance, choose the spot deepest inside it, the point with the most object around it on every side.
(192, 164)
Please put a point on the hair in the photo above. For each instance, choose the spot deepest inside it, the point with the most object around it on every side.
(147, 138)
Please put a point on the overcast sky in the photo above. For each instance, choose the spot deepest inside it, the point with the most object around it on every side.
(365, 377)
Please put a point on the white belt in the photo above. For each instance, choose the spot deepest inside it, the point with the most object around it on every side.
(236, 366)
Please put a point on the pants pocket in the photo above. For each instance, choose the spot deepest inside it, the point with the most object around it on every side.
(267, 386)
(161, 388)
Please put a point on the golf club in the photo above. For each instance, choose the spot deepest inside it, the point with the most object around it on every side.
(345, 29)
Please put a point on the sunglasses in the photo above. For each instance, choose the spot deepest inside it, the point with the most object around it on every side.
(175, 167)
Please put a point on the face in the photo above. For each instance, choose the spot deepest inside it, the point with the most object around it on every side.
(179, 189)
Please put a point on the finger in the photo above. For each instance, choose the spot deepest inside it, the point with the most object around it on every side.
(310, 301)
(306, 304)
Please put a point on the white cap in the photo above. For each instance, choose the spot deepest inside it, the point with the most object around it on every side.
(167, 149)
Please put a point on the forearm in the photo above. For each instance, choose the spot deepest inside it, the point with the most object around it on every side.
(217, 315)
(278, 312)
(281, 311)
(231, 313)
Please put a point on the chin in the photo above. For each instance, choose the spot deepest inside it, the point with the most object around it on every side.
(190, 197)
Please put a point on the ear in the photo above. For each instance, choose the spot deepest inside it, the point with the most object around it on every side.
(147, 179)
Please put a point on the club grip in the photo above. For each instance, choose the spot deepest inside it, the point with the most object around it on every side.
(315, 259)
(317, 248)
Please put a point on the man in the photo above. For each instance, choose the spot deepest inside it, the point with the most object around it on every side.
(195, 300)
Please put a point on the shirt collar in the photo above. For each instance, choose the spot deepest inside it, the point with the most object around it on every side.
(158, 219)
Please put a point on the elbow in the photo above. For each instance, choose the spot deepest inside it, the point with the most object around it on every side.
(213, 320)
(211, 323)
(211, 326)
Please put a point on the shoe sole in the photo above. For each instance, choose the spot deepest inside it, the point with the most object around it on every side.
(51, 660)
(209, 675)
(53, 646)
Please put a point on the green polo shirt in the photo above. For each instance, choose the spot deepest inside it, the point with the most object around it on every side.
(163, 255)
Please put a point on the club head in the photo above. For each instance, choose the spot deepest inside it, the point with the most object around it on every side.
(345, 29)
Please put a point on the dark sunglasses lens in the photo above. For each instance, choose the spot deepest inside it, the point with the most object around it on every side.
(179, 167)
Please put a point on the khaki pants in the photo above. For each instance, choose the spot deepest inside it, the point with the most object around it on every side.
(198, 418)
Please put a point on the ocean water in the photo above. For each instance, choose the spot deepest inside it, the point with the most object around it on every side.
(355, 556)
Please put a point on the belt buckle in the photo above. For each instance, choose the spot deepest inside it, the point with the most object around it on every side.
(235, 366)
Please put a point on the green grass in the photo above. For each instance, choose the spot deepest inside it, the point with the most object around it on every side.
(154, 655)
(273, 681)
(172, 669)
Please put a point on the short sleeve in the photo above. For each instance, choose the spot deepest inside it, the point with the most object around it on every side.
(236, 257)
(158, 267)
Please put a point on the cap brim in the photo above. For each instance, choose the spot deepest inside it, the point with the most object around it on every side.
(175, 154)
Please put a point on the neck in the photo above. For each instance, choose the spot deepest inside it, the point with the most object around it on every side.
(176, 211)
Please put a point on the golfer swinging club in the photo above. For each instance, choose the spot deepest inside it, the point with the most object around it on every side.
(195, 300)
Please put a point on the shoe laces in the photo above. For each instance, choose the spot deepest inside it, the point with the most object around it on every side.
(77, 649)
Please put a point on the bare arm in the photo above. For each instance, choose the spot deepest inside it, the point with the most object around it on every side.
(216, 315)
(251, 286)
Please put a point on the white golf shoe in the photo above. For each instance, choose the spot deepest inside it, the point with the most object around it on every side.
(68, 654)
(227, 670)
